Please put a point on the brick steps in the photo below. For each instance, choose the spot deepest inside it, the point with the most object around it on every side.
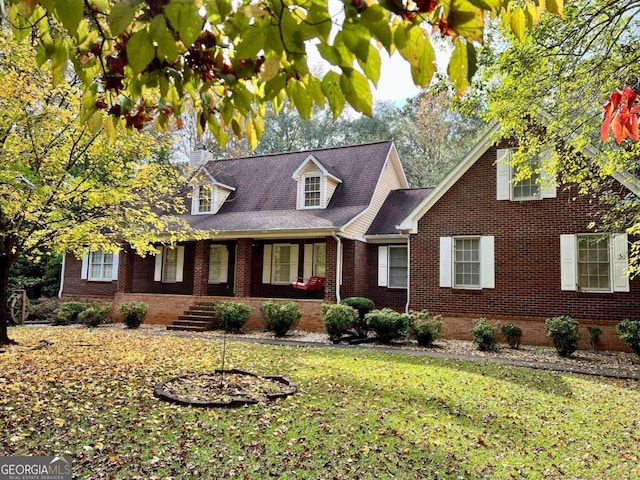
(198, 318)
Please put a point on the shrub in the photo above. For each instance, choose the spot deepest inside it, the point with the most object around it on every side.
(95, 314)
(629, 332)
(485, 335)
(363, 306)
(68, 312)
(426, 329)
(133, 313)
(387, 323)
(338, 319)
(594, 337)
(512, 333)
(280, 317)
(233, 315)
(44, 309)
(563, 331)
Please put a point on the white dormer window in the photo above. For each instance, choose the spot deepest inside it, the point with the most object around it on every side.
(312, 191)
(205, 193)
(209, 194)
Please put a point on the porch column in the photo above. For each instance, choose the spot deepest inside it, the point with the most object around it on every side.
(331, 273)
(243, 267)
(125, 269)
(201, 268)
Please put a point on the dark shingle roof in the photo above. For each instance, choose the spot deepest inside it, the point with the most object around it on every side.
(265, 196)
(396, 207)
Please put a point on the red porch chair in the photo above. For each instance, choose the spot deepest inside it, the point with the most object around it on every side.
(311, 285)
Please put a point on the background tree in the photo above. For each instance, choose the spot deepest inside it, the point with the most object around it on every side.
(63, 187)
(547, 91)
(144, 61)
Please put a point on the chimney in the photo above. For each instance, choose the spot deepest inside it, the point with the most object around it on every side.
(199, 156)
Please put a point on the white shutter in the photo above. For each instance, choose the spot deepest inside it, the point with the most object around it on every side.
(487, 262)
(307, 269)
(157, 273)
(180, 264)
(383, 260)
(619, 249)
(568, 262)
(114, 268)
(503, 175)
(293, 256)
(266, 264)
(84, 272)
(195, 200)
(224, 264)
(445, 261)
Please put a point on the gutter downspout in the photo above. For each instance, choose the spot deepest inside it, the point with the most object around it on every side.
(64, 260)
(338, 264)
(405, 235)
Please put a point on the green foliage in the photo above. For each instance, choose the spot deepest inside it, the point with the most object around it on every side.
(594, 337)
(485, 335)
(563, 330)
(44, 309)
(512, 333)
(388, 324)
(67, 313)
(338, 319)
(629, 332)
(280, 317)
(39, 276)
(133, 313)
(425, 327)
(232, 315)
(95, 314)
(363, 306)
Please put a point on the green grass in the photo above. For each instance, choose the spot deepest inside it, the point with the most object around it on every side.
(357, 414)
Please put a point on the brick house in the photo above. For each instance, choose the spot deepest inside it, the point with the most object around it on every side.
(476, 245)
(272, 219)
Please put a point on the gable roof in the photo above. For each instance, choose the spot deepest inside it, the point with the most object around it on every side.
(265, 191)
(410, 223)
(326, 172)
(397, 206)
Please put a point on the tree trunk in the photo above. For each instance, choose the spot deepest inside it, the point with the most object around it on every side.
(4, 295)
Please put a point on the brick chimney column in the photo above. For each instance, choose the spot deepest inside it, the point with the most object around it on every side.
(125, 269)
(331, 272)
(201, 268)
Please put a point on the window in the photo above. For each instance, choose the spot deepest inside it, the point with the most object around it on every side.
(527, 188)
(593, 263)
(218, 264)
(537, 186)
(312, 191)
(280, 263)
(100, 266)
(204, 198)
(466, 262)
(398, 262)
(320, 259)
(169, 265)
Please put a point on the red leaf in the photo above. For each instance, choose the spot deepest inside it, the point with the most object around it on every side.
(618, 129)
(628, 96)
(604, 130)
(633, 127)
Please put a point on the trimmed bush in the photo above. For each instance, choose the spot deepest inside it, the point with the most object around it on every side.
(363, 306)
(280, 317)
(44, 309)
(426, 329)
(338, 319)
(388, 324)
(485, 335)
(629, 332)
(133, 313)
(233, 315)
(96, 314)
(563, 330)
(512, 333)
(68, 313)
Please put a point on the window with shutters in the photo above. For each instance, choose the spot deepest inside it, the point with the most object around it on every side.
(218, 263)
(466, 262)
(527, 188)
(100, 266)
(594, 267)
(537, 184)
(398, 263)
(281, 269)
(170, 265)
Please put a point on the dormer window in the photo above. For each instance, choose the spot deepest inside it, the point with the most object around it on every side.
(204, 198)
(312, 191)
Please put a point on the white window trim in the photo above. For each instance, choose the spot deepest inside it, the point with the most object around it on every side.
(505, 184)
(159, 270)
(322, 183)
(487, 262)
(195, 200)
(391, 247)
(85, 272)
(224, 264)
(268, 263)
(618, 263)
(384, 266)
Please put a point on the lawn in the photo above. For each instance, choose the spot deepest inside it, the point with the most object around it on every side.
(358, 414)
